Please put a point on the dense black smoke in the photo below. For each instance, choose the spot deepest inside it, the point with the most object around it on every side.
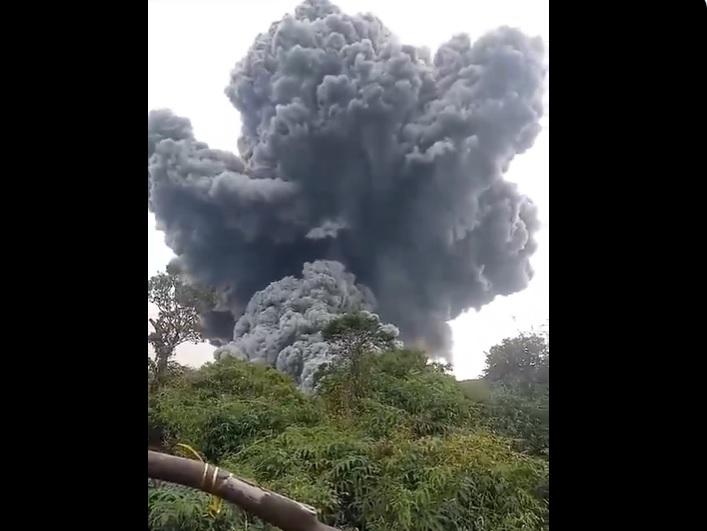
(359, 149)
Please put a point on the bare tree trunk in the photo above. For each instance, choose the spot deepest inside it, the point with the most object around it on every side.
(273, 508)
(161, 363)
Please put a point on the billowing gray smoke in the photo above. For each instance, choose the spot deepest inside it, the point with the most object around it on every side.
(358, 149)
(281, 325)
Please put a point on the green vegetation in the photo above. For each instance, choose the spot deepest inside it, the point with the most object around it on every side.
(517, 372)
(388, 441)
(476, 390)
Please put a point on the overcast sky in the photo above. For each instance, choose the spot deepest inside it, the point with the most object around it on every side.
(194, 44)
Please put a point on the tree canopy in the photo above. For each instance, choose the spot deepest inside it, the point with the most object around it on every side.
(521, 363)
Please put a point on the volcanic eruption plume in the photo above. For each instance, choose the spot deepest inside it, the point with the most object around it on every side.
(359, 155)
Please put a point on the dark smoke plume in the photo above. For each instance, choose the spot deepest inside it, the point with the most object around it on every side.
(358, 149)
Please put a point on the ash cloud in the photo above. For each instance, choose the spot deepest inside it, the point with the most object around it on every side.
(358, 149)
(281, 325)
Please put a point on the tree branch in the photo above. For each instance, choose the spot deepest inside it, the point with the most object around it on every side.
(273, 508)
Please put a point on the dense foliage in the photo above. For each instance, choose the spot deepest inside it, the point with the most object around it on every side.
(520, 363)
(517, 374)
(408, 451)
(513, 396)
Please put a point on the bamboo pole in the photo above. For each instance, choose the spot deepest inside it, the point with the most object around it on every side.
(271, 507)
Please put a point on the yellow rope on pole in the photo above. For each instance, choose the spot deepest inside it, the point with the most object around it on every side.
(216, 503)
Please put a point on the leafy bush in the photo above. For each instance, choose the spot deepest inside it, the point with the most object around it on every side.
(226, 404)
(235, 424)
(522, 419)
(410, 452)
(176, 508)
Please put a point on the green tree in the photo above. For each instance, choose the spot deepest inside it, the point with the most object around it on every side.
(521, 363)
(177, 321)
(352, 337)
(517, 406)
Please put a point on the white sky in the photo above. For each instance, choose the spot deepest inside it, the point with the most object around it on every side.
(194, 44)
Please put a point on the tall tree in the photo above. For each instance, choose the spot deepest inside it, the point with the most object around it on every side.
(351, 337)
(521, 363)
(177, 321)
